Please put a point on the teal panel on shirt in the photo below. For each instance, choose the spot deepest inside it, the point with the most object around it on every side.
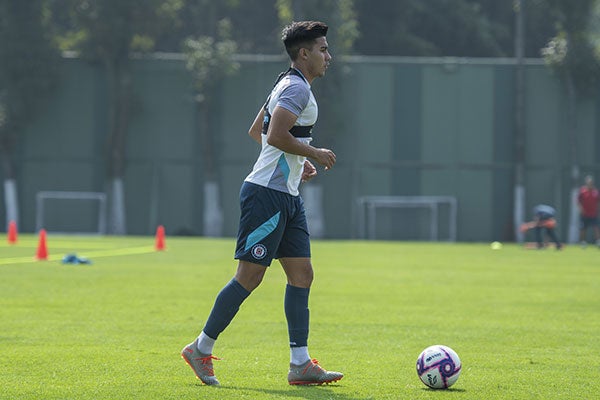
(280, 175)
(284, 167)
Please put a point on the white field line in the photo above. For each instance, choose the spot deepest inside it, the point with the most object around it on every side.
(89, 255)
(59, 244)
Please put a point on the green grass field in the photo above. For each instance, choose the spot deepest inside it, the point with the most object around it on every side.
(525, 323)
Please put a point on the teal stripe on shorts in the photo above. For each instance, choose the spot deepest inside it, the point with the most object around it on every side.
(262, 231)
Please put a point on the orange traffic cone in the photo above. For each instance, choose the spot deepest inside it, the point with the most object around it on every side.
(42, 250)
(12, 232)
(160, 238)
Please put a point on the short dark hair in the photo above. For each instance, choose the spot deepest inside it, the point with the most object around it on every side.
(299, 34)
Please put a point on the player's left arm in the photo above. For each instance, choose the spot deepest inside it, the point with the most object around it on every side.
(255, 130)
(309, 171)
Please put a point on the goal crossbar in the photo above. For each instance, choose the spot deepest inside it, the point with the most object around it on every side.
(100, 197)
(368, 206)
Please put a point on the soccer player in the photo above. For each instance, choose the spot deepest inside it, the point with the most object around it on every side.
(587, 200)
(272, 222)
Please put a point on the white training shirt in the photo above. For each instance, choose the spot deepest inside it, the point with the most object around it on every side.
(274, 168)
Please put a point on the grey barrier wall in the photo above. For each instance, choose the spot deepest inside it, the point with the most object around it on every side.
(400, 127)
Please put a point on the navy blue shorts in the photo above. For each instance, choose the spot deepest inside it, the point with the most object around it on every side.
(587, 222)
(272, 225)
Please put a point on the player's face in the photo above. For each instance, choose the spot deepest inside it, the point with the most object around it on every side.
(319, 57)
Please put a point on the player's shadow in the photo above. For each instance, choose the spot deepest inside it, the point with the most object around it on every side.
(316, 392)
(449, 390)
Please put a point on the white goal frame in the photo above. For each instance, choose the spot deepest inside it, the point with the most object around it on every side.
(42, 197)
(368, 206)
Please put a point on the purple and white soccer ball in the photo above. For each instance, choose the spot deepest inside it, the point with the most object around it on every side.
(438, 367)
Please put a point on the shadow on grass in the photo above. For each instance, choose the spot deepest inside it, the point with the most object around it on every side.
(317, 392)
(449, 390)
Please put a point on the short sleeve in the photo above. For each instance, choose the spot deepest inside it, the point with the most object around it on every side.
(294, 98)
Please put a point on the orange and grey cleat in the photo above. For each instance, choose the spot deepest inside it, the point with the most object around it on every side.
(201, 363)
(311, 373)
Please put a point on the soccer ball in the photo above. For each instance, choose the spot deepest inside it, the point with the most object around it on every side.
(438, 367)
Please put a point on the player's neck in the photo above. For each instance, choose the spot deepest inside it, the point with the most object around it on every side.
(304, 71)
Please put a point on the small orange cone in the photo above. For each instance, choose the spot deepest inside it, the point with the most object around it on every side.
(12, 232)
(160, 238)
(42, 250)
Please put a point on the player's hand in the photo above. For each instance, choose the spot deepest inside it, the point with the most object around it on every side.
(309, 171)
(325, 157)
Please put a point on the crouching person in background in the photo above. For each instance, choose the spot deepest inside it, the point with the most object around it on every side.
(544, 218)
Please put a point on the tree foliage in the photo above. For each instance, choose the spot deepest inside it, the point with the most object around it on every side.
(109, 32)
(27, 70)
(459, 28)
(432, 28)
(209, 58)
(103, 29)
(254, 24)
(571, 52)
(469, 28)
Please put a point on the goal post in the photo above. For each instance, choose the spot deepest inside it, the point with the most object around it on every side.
(369, 205)
(99, 215)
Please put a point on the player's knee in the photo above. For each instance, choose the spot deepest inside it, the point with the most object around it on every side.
(302, 279)
(250, 275)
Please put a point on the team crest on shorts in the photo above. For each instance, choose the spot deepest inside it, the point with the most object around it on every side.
(259, 251)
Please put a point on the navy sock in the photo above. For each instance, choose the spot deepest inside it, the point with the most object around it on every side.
(226, 305)
(297, 315)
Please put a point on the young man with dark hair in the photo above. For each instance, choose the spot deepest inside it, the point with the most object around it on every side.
(272, 222)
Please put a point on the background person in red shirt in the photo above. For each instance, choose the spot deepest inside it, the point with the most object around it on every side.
(588, 199)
